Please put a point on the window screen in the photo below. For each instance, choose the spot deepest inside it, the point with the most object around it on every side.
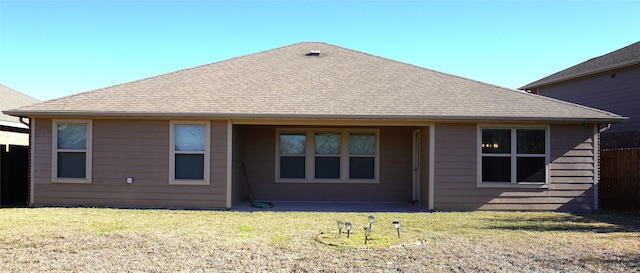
(72, 150)
(292, 155)
(362, 150)
(189, 152)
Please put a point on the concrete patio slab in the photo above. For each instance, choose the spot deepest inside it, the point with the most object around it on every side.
(334, 207)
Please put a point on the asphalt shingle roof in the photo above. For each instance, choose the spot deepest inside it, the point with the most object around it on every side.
(11, 99)
(339, 83)
(626, 56)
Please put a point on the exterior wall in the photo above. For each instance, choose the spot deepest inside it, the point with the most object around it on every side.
(129, 148)
(139, 149)
(573, 167)
(238, 187)
(424, 167)
(619, 94)
(395, 171)
(613, 140)
(455, 168)
(14, 138)
(572, 177)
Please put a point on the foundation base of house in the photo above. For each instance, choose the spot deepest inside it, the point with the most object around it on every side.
(320, 206)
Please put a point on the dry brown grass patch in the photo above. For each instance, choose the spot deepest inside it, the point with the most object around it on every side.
(112, 240)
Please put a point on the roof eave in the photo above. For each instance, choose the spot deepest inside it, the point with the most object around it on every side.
(429, 118)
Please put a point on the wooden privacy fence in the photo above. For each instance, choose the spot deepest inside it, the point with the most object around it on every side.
(14, 175)
(620, 179)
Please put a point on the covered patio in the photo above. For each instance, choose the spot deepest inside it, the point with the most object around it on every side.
(399, 166)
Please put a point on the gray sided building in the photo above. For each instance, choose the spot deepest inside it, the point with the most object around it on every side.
(610, 82)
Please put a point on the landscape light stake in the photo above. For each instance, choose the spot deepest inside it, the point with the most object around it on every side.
(367, 233)
(371, 219)
(340, 226)
(347, 226)
(396, 224)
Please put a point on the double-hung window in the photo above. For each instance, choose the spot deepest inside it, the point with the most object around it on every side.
(513, 156)
(189, 153)
(327, 155)
(362, 155)
(293, 148)
(72, 143)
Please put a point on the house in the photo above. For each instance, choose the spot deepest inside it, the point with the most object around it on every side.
(12, 130)
(314, 122)
(610, 82)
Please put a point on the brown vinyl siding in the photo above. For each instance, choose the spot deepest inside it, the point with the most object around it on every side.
(395, 170)
(41, 164)
(139, 149)
(571, 185)
(619, 94)
(572, 175)
(455, 167)
(424, 166)
(238, 187)
(130, 148)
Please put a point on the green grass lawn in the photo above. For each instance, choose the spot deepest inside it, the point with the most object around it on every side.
(86, 232)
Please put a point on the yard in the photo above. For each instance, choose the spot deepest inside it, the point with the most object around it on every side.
(124, 240)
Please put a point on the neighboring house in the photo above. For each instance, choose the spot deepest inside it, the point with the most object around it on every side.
(12, 130)
(314, 122)
(610, 82)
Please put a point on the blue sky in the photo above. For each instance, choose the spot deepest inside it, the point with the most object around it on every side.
(50, 49)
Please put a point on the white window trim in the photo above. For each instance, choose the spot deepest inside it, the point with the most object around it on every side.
(513, 155)
(344, 155)
(207, 153)
(88, 151)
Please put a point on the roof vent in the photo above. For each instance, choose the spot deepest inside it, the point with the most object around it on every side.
(313, 53)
